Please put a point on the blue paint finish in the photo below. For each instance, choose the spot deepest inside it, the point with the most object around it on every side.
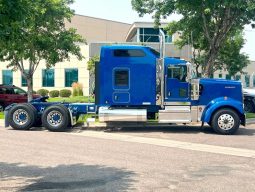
(218, 103)
(142, 77)
(174, 89)
(136, 87)
(217, 88)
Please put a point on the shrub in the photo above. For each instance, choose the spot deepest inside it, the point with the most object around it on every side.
(65, 93)
(43, 92)
(54, 93)
(77, 89)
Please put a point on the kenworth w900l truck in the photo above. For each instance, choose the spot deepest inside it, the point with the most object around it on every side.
(134, 84)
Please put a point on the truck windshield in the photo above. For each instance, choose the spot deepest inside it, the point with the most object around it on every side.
(156, 53)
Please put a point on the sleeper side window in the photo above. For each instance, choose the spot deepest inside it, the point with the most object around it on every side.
(121, 78)
(128, 53)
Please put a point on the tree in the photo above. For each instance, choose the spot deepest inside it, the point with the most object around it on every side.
(230, 57)
(213, 19)
(91, 67)
(34, 31)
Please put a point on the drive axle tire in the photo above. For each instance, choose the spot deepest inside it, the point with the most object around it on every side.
(56, 118)
(225, 121)
(22, 116)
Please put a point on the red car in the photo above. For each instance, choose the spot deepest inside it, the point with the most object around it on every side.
(11, 94)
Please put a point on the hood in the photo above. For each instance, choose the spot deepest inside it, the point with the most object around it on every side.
(215, 88)
(220, 81)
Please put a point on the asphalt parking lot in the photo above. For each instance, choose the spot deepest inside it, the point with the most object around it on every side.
(175, 158)
(244, 138)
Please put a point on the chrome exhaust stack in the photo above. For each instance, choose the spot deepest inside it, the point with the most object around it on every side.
(162, 38)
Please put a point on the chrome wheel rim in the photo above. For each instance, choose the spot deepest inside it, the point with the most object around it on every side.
(20, 117)
(226, 122)
(54, 118)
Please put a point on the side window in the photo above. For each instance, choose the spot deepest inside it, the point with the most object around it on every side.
(121, 78)
(128, 53)
(177, 72)
(19, 91)
(2, 91)
(9, 91)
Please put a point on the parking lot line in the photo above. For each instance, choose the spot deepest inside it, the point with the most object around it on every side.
(171, 143)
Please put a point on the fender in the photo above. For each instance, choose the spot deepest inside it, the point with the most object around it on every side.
(221, 102)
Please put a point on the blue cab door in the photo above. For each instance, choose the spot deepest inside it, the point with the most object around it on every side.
(176, 85)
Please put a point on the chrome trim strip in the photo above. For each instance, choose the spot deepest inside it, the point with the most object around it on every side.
(177, 103)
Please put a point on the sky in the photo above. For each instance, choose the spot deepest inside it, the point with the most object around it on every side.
(121, 10)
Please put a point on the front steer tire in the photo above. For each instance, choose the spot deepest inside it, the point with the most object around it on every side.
(225, 121)
(56, 118)
(22, 116)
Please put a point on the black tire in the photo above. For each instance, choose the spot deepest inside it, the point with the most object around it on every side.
(26, 118)
(249, 106)
(61, 113)
(225, 121)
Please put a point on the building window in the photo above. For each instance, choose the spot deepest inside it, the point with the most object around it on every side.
(23, 80)
(129, 53)
(121, 78)
(152, 35)
(253, 80)
(228, 77)
(247, 80)
(7, 77)
(71, 76)
(238, 77)
(220, 76)
(48, 77)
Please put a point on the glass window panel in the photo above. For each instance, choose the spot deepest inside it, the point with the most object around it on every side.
(253, 80)
(7, 76)
(48, 76)
(247, 80)
(152, 35)
(19, 91)
(179, 73)
(228, 77)
(121, 78)
(220, 76)
(23, 80)
(71, 76)
(128, 53)
(238, 77)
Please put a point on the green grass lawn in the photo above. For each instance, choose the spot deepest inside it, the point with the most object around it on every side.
(250, 115)
(1, 115)
(78, 99)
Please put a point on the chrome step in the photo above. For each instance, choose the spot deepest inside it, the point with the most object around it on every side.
(175, 114)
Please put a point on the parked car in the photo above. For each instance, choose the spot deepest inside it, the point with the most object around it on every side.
(11, 94)
(249, 100)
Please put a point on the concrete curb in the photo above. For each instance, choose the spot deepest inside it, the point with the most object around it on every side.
(104, 126)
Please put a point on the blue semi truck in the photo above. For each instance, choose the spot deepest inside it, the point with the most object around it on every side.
(135, 84)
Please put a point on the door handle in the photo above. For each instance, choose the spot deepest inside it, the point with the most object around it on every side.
(169, 94)
(115, 97)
